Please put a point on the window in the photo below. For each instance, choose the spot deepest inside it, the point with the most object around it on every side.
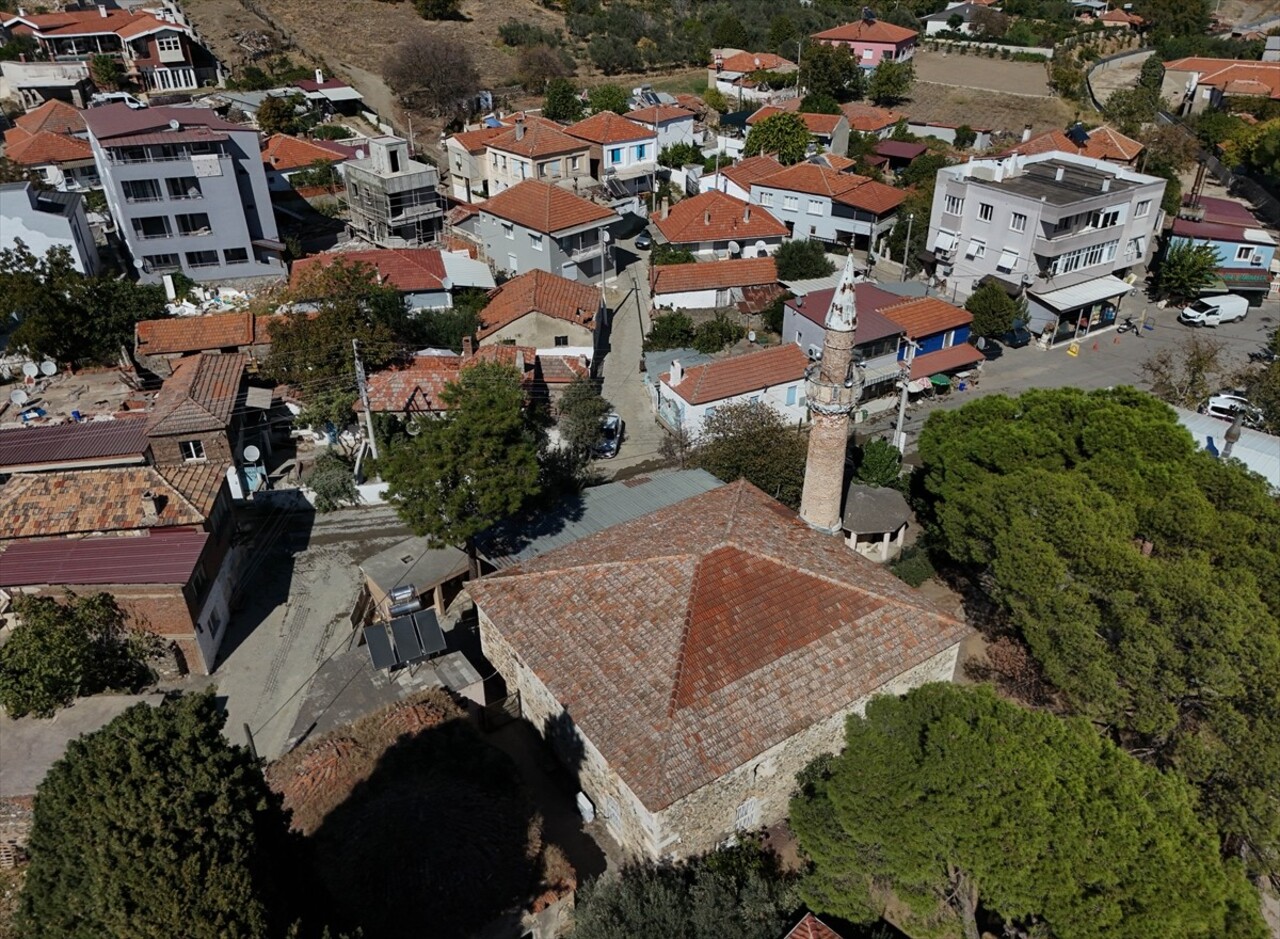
(192, 450)
(766, 198)
(535, 241)
(954, 205)
(790, 203)
(1018, 222)
(508, 231)
(747, 815)
(977, 248)
(615, 155)
(202, 259)
(815, 207)
(1143, 209)
(168, 44)
(1107, 218)
(791, 395)
(199, 580)
(194, 224)
(236, 255)
(1084, 257)
(711, 412)
(985, 211)
(183, 187)
(867, 54)
(642, 150)
(1244, 253)
(575, 163)
(562, 340)
(1008, 260)
(1137, 247)
(949, 339)
(163, 262)
(141, 190)
(1063, 224)
(152, 226)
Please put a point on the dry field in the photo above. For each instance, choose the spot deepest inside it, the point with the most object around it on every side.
(948, 104)
(981, 73)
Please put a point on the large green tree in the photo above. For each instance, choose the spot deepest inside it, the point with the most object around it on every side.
(975, 813)
(581, 410)
(154, 826)
(1186, 269)
(740, 892)
(891, 83)
(831, 72)
(802, 258)
(1138, 571)
(752, 441)
(278, 115)
(60, 651)
(608, 98)
(784, 135)
(474, 466)
(562, 102)
(67, 316)
(993, 310)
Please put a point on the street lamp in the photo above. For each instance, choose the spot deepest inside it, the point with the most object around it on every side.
(906, 246)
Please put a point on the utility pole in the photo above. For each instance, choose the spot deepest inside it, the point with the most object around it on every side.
(906, 245)
(899, 435)
(364, 398)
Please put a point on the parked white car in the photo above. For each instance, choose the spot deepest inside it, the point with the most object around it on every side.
(1211, 311)
(1226, 404)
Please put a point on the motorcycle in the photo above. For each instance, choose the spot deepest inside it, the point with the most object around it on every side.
(1264, 356)
(1128, 326)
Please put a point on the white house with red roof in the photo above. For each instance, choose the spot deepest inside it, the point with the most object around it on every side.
(425, 277)
(670, 124)
(829, 131)
(741, 75)
(624, 153)
(52, 140)
(713, 224)
(815, 201)
(158, 48)
(539, 149)
(871, 40)
(284, 155)
(1196, 83)
(687, 397)
(710, 284)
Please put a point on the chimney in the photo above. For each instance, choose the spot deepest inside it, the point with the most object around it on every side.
(1106, 184)
(102, 10)
(706, 217)
(319, 76)
(520, 361)
(468, 347)
(677, 373)
(666, 207)
(1026, 132)
(150, 506)
(1062, 171)
(520, 128)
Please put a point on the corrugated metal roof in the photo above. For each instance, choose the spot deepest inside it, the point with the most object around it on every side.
(155, 559)
(1256, 450)
(592, 510)
(1091, 291)
(64, 446)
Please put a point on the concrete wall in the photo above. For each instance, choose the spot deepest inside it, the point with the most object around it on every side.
(217, 447)
(691, 299)
(42, 231)
(1227, 251)
(786, 398)
(540, 331)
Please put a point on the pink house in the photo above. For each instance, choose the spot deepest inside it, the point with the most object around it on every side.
(872, 41)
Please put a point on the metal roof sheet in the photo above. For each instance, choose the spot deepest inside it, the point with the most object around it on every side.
(1091, 291)
(1256, 450)
(58, 446)
(154, 559)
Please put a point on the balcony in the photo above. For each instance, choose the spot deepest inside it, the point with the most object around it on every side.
(585, 252)
(128, 159)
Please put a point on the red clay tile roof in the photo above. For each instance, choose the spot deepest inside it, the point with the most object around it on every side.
(716, 216)
(540, 139)
(199, 396)
(558, 369)
(740, 374)
(91, 22)
(756, 62)
(747, 171)
(822, 125)
(944, 360)
(414, 388)
(194, 333)
(658, 114)
(1120, 16)
(199, 483)
(812, 928)
(1219, 73)
(37, 505)
(475, 141)
(168, 558)
(1104, 143)
(858, 191)
(544, 207)
(284, 153)
(57, 117)
(406, 269)
(862, 31)
(44, 147)
(868, 118)
(925, 316)
(689, 641)
(540, 292)
(607, 127)
(737, 272)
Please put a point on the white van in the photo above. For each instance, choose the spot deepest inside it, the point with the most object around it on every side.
(1211, 311)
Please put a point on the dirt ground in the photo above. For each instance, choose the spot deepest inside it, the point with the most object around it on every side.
(1028, 79)
(948, 104)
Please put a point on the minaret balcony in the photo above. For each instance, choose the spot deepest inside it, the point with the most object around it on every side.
(834, 398)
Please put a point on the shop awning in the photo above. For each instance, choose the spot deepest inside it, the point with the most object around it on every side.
(944, 242)
(945, 360)
(1008, 259)
(941, 381)
(1244, 278)
(1085, 294)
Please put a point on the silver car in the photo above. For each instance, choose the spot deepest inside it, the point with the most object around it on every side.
(611, 429)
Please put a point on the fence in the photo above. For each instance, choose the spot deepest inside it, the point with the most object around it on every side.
(979, 47)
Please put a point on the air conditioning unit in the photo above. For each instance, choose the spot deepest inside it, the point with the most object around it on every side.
(1256, 260)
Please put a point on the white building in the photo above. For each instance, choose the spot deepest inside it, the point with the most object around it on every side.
(670, 124)
(623, 154)
(687, 397)
(46, 220)
(710, 284)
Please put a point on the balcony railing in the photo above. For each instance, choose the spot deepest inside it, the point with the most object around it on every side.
(133, 200)
(586, 252)
(153, 237)
(120, 158)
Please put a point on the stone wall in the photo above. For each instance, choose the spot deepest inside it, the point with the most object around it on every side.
(167, 450)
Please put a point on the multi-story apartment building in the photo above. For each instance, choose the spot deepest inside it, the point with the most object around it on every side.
(394, 199)
(188, 192)
(159, 49)
(1061, 229)
(44, 220)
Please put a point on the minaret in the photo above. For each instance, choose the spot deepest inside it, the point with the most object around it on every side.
(832, 388)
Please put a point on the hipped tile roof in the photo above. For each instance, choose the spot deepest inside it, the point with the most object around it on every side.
(544, 208)
(199, 396)
(747, 171)
(868, 118)
(812, 928)
(540, 292)
(475, 141)
(756, 62)
(864, 31)
(414, 388)
(860, 192)
(925, 316)
(658, 114)
(44, 147)
(689, 641)
(1219, 73)
(716, 216)
(406, 269)
(736, 272)
(54, 116)
(739, 375)
(607, 127)
(536, 139)
(1104, 143)
(196, 333)
(284, 153)
(822, 125)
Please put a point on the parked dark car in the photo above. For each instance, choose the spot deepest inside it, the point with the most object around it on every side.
(1017, 337)
(610, 437)
(989, 348)
(643, 241)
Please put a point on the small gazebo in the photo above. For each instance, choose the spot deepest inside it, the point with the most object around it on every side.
(875, 520)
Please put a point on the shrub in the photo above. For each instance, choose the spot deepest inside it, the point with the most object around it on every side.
(913, 566)
(670, 331)
(515, 33)
(715, 334)
(797, 260)
(331, 132)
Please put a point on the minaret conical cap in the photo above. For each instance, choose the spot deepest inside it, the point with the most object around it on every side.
(843, 313)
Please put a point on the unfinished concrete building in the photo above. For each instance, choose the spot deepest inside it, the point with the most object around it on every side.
(393, 197)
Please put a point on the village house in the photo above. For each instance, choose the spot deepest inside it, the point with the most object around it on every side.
(711, 284)
(947, 132)
(896, 155)
(537, 149)
(738, 75)
(869, 119)
(1244, 249)
(814, 201)
(158, 49)
(538, 226)
(956, 18)
(157, 539)
(544, 311)
(467, 153)
(936, 336)
(871, 41)
(669, 123)
(651, 657)
(1195, 84)
(160, 346)
(713, 224)
(330, 97)
(624, 154)
(194, 417)
(1101, 143)
(829, 131)
(284, 156)
(44, 220)
(52, 140)
(735, 179)
(877, 340)
(425, 277)
(687, 397)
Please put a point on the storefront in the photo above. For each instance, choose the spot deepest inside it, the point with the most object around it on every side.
(1071, 313)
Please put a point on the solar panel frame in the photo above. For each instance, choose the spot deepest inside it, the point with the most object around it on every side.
(430, 636)
(381, 653)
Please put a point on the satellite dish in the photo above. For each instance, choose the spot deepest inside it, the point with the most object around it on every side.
(446, 283)
(413, 428)
(30, 369)
(48, 369)
(175, 125)
(139, 263)
(251, 453)
(735, 248)
(18, 397)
